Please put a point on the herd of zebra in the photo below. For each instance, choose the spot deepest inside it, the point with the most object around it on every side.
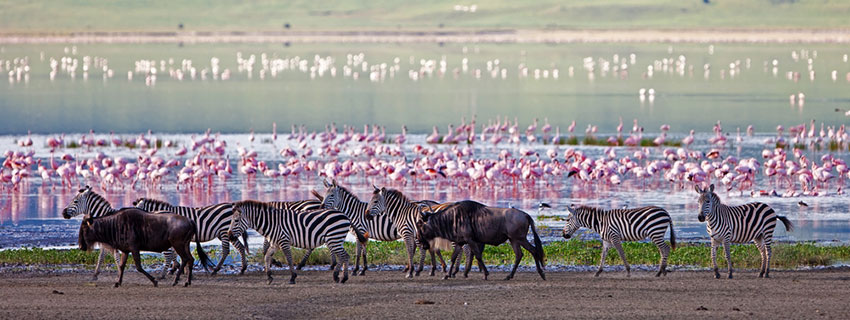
(390, 216)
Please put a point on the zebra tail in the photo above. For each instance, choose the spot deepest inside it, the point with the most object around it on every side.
(672, 236)
(788, 225)
(360, 237)
(245, 241)
(317, 195)
(538, 245)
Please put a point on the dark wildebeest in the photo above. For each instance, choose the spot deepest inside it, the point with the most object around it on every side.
(131, 230)
(470, 222)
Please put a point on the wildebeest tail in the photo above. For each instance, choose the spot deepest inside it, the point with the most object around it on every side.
(317, 195)
(788, 225)
(205, 260)
(538, 245)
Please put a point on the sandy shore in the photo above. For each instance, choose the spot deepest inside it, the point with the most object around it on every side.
(447, 36)
(682, 294)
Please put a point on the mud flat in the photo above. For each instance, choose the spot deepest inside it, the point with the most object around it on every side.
(818, 294)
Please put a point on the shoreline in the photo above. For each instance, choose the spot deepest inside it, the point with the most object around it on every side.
(496, 36)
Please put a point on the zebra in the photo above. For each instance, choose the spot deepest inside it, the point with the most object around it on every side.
(380, 228)
(617, 225)
(212, 223)
(288, 228)
(88, 202)
(754, 222)
(297, 206)
(392, 205)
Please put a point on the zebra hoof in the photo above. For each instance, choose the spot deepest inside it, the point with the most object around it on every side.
(186, 284)
(730, 276)
(116, 285)
(363, 272)
(446, 277)
(155, 283)
(507, 278)
(409, 276)
(716, 276)
(270, 280)
(344, 279)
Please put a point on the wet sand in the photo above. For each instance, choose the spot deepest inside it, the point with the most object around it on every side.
(387, 294)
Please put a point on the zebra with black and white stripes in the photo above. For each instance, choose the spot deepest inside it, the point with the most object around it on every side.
(391, 204)
(212, 222)
(287, 228)
(754, 222)
(297, 206)
(618, 225)
(378, 228)
(88, 202)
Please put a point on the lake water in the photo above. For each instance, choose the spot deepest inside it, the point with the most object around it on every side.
(417, 94)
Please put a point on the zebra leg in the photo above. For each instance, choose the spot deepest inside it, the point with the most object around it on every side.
(664, 249)
(365, 264)
(304, 259)
(266, 246)
(100, 261)
(422, 258)
(619, 247)
(333, 262)
(518, 256)
(726, 248)
(357, 251)
(121, 266)
(242, 252)
(287, 252)
(410, 243)
(225, 251)
(169, 260)
(268, 261)
(605, 246)
(714, 244)
(768, 253)
(759, 242)
(338, 250)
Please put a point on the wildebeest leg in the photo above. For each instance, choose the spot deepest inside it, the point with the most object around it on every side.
(476, 251)
(410, 243)
(287, 252)
(517, 257)
(225, 251)
(268, 261)
(186, 263)
(304, 259)
(121, 265)
(726, 248)
(137, 258)
(539, 264)
(714, 244)
(605, 247)
(619, 247)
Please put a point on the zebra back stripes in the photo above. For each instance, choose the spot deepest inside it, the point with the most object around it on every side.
(288, 228)
(618, 225)
(754, 222)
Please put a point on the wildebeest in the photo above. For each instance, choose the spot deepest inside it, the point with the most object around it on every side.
(470, 222)
(131, 230)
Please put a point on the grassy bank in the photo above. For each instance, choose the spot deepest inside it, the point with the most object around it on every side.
(63, 16)
(561, 252)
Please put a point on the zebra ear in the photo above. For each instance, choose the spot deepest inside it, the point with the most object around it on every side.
(334, 182)
(325, 182)
(697, 188)
(376, 188)
(711, 188)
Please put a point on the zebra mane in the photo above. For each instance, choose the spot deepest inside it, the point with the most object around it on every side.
(94, 197)
(588, 209)
(393, 193)
(156, 202)
(253, 204)
(347, 192)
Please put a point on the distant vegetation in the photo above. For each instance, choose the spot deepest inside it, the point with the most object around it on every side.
(63, 16)
(575, 252)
